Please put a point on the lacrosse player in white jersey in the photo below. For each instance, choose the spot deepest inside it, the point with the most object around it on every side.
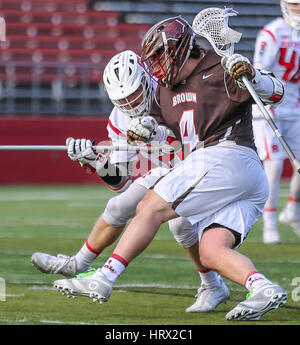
(129, 88)
(278, 50)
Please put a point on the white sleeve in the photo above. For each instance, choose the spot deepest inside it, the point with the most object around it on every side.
(266, 49)
(269, 88)
(117, 126)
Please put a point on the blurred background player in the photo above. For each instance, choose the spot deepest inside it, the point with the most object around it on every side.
(278, 50)
(221, 186)
(131, 91)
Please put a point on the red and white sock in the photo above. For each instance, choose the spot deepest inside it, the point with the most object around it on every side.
(85, 257)
(113, 267)
(270, 218)
(208, 277)
(254, 279)
(293, 206)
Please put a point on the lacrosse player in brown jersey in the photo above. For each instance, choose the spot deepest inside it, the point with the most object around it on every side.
(220, 187)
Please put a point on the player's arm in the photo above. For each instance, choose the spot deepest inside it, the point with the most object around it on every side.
(115, 176)
(269, 88)
(266, 49)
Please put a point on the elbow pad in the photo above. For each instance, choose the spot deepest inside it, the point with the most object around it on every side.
(277, 89)
(122, 186)
(278, 92)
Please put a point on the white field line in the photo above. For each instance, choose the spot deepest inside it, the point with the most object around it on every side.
(163, 257)
(75, 198)
(15, 195)
(14, 295)
(137, 285)
(58, 322)
(50, 197)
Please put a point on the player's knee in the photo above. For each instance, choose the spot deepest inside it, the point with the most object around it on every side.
(209, 260)
(183, 232)
(211, 255)
(117, 213)
(154, 207)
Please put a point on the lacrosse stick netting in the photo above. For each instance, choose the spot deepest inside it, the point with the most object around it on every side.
(212, 24)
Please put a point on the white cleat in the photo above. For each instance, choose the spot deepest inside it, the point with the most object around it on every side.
(271, 236)
(94, 285)
(288, 218)
(60, 264)
(209, 297)
(264, 298)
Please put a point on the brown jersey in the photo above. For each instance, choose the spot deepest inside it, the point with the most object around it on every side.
(207, 107)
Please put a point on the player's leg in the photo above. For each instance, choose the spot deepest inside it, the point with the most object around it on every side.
(212, 290)
(152, 211)
(272, 154)
(291, 213)
(207, 193)
(264, 295)
(106, 230)
(273, 170)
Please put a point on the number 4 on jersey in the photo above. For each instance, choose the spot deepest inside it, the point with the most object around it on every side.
(188, 132)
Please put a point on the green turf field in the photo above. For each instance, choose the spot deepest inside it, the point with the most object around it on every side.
(156, 287)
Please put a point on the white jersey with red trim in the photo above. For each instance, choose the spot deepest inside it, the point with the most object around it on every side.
(277, 50)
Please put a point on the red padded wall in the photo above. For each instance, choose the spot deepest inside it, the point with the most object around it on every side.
(46, 167)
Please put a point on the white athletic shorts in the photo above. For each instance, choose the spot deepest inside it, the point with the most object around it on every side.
(267, 143)
(149, 179)
(224, 184)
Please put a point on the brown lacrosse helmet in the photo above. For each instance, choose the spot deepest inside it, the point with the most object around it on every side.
(166, 47)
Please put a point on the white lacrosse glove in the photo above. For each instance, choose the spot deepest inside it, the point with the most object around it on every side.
(238, 66)
(81, 150)
(141, 129)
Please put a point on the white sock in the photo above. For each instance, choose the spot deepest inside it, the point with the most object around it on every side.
(295, 188)
(293, 206)
(113, 267)
(254, 279)
(85, 257)
(273, 170)
(210, 278)
(270, 218)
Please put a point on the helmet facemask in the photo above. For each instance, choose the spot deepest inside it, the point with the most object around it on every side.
(290, 14)
(165, 49)
(139, 102)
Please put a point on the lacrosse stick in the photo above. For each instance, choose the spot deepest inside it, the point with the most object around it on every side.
(162, 148)
(212, 24)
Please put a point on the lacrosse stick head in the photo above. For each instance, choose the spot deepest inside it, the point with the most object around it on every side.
(212, 23)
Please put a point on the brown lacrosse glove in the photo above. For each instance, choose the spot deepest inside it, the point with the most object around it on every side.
(242, 68)
(132, 137)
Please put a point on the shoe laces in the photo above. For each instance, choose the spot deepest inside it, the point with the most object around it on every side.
(201, 289)
(63, 264)
(248, 296)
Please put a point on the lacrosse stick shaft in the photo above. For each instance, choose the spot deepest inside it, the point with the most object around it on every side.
(164, 148)
(272, 124)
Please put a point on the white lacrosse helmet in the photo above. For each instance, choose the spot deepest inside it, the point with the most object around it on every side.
(292, 17)
(124, 76)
